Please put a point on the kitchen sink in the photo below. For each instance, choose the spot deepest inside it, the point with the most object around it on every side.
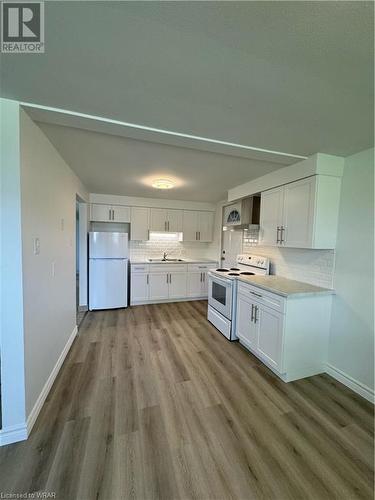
(165, 260)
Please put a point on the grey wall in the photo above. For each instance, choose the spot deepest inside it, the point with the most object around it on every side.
(351, 347)
(48, 199)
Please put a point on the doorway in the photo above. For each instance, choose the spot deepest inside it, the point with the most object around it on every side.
(231, 247)
(81, 261)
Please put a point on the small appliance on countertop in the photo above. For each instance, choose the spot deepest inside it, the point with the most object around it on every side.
(222, 291)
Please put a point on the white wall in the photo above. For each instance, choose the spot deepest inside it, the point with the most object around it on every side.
(11, 312)
(351, 349)
(48, 194)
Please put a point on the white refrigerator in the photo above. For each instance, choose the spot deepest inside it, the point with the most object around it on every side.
(108, 270)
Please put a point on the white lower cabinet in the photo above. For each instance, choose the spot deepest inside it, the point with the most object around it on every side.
(139, 287)
(288, 334)
(247, 330)
(197, 280)
(177, 285)
(159, 286)
(165, 282)
(269, 326)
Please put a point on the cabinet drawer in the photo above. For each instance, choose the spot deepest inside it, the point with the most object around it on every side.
(168, 268)
(139, 268)
(263, 297)
(199, 268)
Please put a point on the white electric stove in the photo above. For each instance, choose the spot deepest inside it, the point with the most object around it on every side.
(222, 291)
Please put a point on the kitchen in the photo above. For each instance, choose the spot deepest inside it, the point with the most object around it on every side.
(301, 214)
(221, 262)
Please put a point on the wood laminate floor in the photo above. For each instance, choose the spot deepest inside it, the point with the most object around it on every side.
(153, 403)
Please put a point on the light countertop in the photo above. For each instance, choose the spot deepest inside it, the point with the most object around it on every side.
(284, 286)
(183, 261)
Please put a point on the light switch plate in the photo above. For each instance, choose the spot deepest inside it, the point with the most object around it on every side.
(36, 246)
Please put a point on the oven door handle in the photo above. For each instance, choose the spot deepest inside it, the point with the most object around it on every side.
(219, 280)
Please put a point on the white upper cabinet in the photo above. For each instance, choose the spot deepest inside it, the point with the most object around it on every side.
(109, 213)
(302, 214)
(158, 219)
(205, 226)
(198, 226)
(100, 213)
(120, 213)
(195, 225)
(140, 220)
(174, 221)
(271, 212)
(190, 225)
(298, 213)
(169, 220)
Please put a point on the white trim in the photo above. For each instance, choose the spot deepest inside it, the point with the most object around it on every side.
(47, 387)
(166, 301)
(13, 434)
(353, 384)
(159, 130)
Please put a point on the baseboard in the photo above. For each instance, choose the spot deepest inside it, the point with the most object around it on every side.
(47, 386)
(166, 301)
(10, 435)
(356, 386)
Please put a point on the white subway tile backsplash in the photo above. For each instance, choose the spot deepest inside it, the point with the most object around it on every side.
(175, 249)
(311, 266)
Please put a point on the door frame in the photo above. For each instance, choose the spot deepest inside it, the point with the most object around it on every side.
(83, 217)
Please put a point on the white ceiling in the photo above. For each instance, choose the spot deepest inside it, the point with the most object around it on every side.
(295, 77)
(110, 164)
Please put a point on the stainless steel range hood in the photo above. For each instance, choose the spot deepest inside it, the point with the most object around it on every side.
(242, 215)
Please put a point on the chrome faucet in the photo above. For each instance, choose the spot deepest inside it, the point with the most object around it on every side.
(165, 256)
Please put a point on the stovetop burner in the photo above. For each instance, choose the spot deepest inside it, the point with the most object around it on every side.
(234, 269)
(222, 270)
(233, 274)
(247, 273)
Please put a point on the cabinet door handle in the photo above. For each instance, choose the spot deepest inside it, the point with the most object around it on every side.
(277, 235)
(167, 278)
(201, 278)
(168, 226)
(252, 312)
(255, 314)
(199, 235)
(170, 278)
(282, 229)
(110, 213)
(256, 294)
(148, 279)
(204, 277)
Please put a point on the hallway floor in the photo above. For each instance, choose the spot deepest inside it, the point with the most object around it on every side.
(152, 402)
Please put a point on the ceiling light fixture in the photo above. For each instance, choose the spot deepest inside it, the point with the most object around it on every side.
(162, 184)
